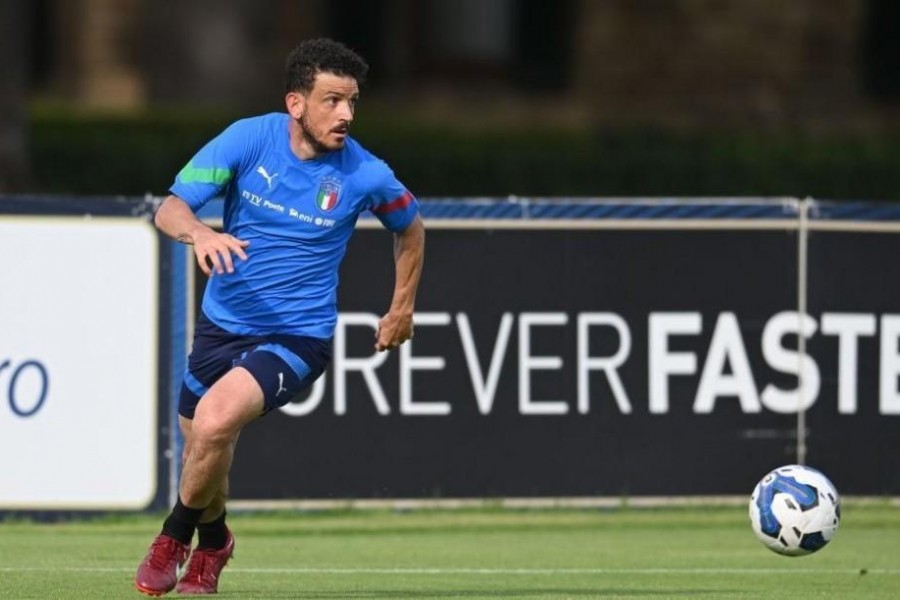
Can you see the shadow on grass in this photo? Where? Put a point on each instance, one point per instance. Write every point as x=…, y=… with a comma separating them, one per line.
x=377, y=594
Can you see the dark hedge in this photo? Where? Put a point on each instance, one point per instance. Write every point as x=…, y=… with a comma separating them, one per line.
x=131, y=155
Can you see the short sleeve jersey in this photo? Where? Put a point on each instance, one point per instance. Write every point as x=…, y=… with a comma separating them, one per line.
x=298, y=216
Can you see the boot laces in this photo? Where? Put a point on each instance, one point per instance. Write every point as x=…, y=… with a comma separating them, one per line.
x=163, y=551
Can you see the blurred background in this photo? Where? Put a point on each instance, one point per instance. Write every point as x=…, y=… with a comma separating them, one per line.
x=788, y=303
x=472, y=97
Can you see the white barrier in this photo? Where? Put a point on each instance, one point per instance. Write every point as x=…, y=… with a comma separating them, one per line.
x=79, y=314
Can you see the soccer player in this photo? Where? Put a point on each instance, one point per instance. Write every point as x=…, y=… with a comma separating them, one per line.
x=294, y=185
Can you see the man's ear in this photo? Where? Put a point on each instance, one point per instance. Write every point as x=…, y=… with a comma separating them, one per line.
x=295, y=103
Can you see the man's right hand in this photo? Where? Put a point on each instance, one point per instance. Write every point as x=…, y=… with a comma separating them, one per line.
x=214, y=250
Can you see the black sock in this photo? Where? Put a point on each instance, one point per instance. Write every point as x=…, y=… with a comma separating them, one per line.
x=212, y=535
x=181, y=522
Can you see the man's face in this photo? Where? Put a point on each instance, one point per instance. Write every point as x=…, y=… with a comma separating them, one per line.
x=327, y=111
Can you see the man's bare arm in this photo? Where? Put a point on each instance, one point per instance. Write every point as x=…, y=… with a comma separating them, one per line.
x=212, y=249
x=396, y=326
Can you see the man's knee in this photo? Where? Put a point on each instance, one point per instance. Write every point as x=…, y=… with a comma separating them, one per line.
x=214, y=431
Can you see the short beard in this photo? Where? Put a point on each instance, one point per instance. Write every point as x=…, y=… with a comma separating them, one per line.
x=317, y=146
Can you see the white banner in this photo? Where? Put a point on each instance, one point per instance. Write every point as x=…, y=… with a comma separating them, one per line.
x=78, y=363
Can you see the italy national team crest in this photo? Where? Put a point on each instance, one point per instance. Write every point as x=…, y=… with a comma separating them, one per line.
x=329, y=193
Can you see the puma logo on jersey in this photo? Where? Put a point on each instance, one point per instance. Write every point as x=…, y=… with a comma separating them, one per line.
x=281, y=387
x=265, y=174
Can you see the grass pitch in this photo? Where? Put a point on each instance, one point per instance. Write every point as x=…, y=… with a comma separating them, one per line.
x=705, y=553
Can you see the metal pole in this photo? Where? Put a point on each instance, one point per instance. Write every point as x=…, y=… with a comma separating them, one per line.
x=802, y=247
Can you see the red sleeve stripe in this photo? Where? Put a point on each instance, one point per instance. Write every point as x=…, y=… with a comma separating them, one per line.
x=397, y=204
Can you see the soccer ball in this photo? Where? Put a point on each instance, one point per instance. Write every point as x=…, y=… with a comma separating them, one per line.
x=795, y=510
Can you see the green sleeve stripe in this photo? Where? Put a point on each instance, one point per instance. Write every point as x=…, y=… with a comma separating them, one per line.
x=216, y=175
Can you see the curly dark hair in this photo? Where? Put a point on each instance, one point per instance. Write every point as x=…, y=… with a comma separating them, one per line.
x=321, y=55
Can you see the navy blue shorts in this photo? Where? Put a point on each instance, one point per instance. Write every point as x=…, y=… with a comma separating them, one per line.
x=283, y=365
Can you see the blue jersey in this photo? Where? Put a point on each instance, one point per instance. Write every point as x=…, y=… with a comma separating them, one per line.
x=298, y=216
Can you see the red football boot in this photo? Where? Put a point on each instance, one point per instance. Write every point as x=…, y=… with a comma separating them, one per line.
x=158, y=573
x=202, y=574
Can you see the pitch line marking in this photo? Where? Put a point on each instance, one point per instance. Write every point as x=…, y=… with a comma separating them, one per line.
x=478, y=571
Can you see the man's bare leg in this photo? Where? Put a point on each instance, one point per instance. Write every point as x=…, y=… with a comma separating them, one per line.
x=231, y=403
x=210, y=439
x=217, y=507
x=235, y=400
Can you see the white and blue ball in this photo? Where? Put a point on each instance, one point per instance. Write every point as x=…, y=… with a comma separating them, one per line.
x=795, y=510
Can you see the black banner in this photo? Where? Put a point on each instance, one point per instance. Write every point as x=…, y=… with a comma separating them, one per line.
x=598, y=362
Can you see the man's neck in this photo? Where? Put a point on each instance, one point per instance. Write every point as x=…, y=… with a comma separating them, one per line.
x=300, y=146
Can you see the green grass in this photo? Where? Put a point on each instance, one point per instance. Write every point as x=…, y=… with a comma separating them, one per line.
x=622, y=553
